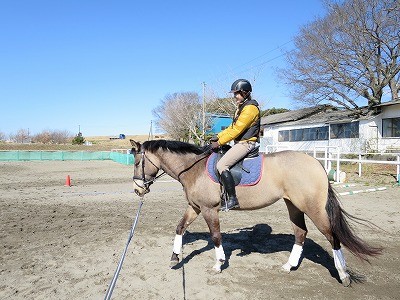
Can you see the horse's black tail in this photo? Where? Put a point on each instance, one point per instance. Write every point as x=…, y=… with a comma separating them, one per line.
x=342, y=230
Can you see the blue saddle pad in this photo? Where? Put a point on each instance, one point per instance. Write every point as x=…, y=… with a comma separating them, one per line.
x=251, y=174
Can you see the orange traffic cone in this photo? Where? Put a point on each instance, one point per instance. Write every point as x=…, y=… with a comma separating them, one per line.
x=68, y=181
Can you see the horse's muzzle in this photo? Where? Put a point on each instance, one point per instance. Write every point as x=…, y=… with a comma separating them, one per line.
x=139, y=188
x=141, y=192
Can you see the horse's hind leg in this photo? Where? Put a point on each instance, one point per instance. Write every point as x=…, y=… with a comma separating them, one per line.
x=300, y=233
x=338, y=257
x=322, y=222
x=189, y=216
x=340, y=264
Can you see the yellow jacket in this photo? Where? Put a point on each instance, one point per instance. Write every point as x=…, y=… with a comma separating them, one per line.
x=248, y=117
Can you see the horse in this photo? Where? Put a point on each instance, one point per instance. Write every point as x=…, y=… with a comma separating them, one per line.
x=297, y=178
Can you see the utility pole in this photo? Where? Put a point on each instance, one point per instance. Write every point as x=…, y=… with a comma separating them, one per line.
x=204, y=114
x=151, y=131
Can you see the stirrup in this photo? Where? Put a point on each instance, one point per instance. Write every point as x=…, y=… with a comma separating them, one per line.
x=230, y=204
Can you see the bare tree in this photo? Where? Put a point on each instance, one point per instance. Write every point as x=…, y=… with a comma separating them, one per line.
x=180, y=115
x=222, y=106
x=2, y=136
x=22, y=136
x=53, y=137
x=349, y=55
x=44, y=137
x=61, y=136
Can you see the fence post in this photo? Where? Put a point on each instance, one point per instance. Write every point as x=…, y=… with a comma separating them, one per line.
x=398, y=168
x=329, y=163
x=338, y=165
x=359, y=165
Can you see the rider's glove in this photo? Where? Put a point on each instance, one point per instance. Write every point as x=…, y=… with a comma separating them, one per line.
x=214, y=138
x=214, y=145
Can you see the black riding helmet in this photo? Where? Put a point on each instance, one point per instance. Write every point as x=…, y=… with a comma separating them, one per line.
x=241, y=85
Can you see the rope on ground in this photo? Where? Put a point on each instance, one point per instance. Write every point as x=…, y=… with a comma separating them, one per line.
x=114, y=280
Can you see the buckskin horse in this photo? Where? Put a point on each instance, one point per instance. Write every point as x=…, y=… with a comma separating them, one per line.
x=297, y=178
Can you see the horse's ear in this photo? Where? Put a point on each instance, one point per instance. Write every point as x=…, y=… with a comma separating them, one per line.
x=135, y=146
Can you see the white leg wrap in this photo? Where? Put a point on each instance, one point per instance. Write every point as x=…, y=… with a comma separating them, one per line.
x=340, y=263
x=294, y=258
x=219, y=253
x=295, y=255
x=220, y=256
x=177, y=244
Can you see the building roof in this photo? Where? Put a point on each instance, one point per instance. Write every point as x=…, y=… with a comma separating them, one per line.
x=218, y=115
x=313, y=115
x=292, y=115
x=393, y=102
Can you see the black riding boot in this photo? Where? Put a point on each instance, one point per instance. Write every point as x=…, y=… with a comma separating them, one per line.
x=229, y=185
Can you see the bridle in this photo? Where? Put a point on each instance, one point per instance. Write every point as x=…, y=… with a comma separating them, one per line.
x=149, y=180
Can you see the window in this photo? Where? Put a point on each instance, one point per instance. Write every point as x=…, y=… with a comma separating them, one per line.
x=303, y=134
x=308, y=134
x=345, y=130
x=297, y=135
x=283, y=136
x=391, y=127
x=322, y=133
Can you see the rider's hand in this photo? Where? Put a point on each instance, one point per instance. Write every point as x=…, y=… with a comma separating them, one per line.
x=214, y=145
x=214, y=138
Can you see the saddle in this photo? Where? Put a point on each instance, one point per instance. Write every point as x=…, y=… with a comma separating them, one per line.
x=246, y=172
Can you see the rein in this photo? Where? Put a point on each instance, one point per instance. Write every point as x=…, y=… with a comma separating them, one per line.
x=150, y=181
x=192, y=165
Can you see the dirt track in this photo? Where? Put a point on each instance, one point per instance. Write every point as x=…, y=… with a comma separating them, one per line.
x=59, y=242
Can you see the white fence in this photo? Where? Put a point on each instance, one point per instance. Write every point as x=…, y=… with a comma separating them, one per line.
x=333, y=153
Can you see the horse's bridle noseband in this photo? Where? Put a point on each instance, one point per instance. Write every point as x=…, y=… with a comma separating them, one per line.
x=150, y=181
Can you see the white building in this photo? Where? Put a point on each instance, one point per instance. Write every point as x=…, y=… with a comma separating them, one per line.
x=324, y=125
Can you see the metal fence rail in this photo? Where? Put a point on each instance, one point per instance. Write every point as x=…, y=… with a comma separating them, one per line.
x=339, y=159
x=336, y=155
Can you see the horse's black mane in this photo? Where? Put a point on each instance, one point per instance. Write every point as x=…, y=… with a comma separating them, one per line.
x=173, y=146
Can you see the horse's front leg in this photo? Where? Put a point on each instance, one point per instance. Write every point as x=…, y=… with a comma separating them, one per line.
x=211, y=217
x=189, y=216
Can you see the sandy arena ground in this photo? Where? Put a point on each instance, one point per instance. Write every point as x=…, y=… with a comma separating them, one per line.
x=59, y=242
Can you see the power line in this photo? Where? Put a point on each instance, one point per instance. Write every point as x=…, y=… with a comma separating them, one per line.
x=267, y=61
x=231, y=73
x=272, y=50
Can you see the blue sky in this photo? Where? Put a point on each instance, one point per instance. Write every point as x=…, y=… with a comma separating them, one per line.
x=104, y=65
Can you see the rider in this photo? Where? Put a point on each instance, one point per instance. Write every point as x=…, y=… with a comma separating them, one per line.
x=244, y=131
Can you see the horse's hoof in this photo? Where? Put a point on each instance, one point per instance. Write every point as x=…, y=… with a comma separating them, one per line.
x=286, y=267
x=215, y=270
x=173, y=263
x=174, y=260
x=346, y=281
